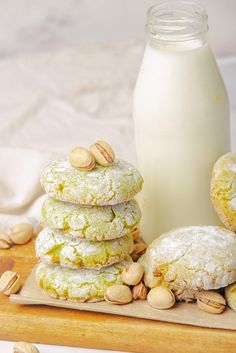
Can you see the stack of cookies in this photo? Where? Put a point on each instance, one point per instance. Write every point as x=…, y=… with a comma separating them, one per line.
x=89, y=217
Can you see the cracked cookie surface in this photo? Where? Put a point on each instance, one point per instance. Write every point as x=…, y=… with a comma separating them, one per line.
x=53, y=247
x=223, y=189
x=91, y=222
x=81, y=284
x=101, y=186
x=190, y=259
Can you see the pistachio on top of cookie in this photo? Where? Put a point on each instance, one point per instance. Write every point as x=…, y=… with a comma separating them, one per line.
x=103, y=153
x=85, y=160
x=82, y=159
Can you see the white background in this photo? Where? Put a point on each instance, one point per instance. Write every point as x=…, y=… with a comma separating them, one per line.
x=27, y=25
x=41, y=25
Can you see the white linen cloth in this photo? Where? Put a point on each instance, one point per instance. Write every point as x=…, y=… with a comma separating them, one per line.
x=50, y=102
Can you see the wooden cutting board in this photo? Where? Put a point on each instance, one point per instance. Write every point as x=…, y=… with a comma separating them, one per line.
x=42, y=324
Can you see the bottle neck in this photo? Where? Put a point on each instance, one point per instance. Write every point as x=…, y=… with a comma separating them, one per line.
x=177, y=25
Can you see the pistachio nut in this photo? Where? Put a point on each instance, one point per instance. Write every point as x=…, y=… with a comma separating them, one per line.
x=230, y=295
x=161, y=298
x=10, y=283
x=25, y=347
x=21, y=233
x=118, y=294
x=103, y=153
x=82, y=159
x=132, y=274
x=139, y=291
x=139, y=250
x=211, y=302
x=5, y=241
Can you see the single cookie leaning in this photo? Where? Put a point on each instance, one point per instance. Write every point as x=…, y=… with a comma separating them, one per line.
x=53, y=247
x=91, y=222
x=78, y=285
x=191, y=259
x=223, y=189
x=118, y=183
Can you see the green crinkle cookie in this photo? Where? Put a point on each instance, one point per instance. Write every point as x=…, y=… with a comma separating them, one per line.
x=91, y=222
x=81, y=284
x=53, y=247
x=223, y=189
x=101, y=186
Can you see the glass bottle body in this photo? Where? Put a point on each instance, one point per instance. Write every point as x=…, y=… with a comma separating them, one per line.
x=181, y=116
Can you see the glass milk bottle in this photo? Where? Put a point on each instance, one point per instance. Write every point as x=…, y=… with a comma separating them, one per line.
x=181, y=116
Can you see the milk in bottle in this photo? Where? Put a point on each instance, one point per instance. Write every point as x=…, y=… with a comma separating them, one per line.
x=181, y=116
